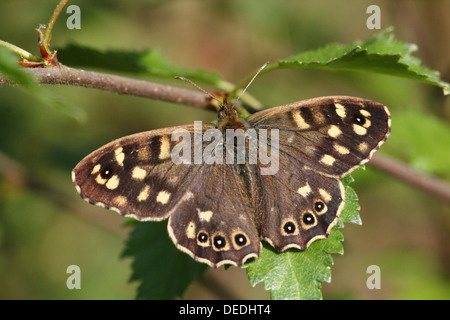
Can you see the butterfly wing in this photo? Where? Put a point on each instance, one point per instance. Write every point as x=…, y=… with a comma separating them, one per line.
x=320, y=140
x=216, y=223
x=298, y=205
x=135, y=175
x=332, y=135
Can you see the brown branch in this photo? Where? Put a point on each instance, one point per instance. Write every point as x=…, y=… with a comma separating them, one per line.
x=408, y=175
x=64, y=75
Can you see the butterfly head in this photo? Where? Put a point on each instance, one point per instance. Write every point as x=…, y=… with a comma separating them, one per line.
x=229, y=118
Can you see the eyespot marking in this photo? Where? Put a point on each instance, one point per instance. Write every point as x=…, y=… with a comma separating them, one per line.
x=289, y=227
x=203, y=239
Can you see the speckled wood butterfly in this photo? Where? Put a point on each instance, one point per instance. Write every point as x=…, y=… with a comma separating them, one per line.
x=219, y=211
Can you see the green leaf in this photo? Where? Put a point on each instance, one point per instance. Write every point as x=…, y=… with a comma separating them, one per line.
x=164, y=271
x=149, y=62
x=13, y=71
x=295, y=274
x=379, y=54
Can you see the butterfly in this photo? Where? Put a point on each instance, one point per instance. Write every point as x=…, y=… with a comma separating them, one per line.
x=222, y=197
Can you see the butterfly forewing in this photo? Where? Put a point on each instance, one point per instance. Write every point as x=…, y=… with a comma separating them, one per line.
x=333, y=135
x=135, y=175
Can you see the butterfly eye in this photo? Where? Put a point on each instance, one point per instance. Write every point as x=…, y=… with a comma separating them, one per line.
x=219, y=242
x=240, y=239
x=359, y=119
x=202, y=237
x=308, y=218
x=289, y=227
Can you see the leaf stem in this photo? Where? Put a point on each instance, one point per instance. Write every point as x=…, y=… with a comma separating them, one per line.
x=48, y=31
x=21, y=52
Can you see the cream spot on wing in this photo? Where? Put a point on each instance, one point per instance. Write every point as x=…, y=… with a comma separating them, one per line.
x=113, y=182
x=327, y=160
x=120, y=201
x=190, y=230
x=301, y=123
x=143, y=195
x=365, y=113
x=341, y=149
x=363, y=147
x=304, y=191
x=205, y=215
x=325, y=195
x=163, y=197
x=100, y=180
x=120, y=156
x=164, y=151
x=96, y=169
x=340, y=110
x=334, y=131
x=138, y=173
x=367, y=123
x=359, y=130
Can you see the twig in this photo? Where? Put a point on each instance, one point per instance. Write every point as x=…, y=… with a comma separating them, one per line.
x=408, y=175
x=48, y=31
x=64, y=75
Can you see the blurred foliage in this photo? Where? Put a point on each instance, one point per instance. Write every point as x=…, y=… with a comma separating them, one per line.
x=44, y=227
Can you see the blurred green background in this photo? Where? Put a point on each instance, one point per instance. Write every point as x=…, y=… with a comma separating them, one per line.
x=45, y=226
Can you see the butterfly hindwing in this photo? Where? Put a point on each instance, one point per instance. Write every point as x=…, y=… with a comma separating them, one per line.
x=216, y=222
x=300, y=205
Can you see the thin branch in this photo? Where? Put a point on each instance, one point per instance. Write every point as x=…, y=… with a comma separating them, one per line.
x=64, y=75
x=408, y=175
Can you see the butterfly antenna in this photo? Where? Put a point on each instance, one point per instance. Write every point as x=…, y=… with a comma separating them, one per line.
x=250, y=82
x=199, y=88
